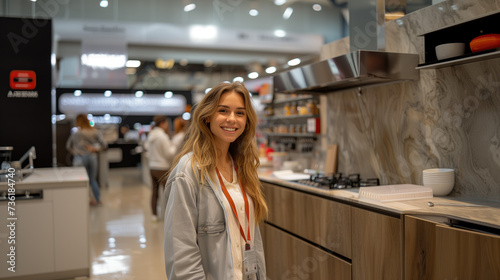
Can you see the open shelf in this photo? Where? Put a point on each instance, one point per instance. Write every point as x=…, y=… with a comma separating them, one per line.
x=463, y=32
x=463, y=59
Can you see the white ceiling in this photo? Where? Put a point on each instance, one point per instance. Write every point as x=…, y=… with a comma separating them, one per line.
x=160, y=28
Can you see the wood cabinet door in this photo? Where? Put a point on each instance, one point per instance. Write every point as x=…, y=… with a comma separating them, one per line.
x=463, y=254
x=420, y=242
x=320, y=220
x=290, y=258
x=376, y=246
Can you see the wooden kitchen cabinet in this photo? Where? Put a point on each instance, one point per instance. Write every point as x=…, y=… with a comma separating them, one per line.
x=437, y=251
x=288, y=257
x=376, y=246
x=322, y=221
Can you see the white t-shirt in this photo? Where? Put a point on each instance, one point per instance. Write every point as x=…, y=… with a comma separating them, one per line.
x=237, y=241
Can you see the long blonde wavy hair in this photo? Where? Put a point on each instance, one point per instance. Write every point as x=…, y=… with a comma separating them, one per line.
x=200, y=141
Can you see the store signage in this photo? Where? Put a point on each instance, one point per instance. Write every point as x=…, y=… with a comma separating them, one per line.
x=22, y=83
x=122, y=104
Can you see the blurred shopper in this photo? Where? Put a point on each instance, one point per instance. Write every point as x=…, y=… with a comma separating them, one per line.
x=180, y=126
x=214, y=197
x=84, y=145
x=160, y=153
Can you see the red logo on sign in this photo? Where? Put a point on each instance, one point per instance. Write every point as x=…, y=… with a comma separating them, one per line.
x=22, y=79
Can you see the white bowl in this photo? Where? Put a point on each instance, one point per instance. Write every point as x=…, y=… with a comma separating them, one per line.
x=440, y=180
x=441, y=189
x=445, y=51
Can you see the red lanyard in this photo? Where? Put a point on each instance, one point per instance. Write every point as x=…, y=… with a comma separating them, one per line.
x=231, y=202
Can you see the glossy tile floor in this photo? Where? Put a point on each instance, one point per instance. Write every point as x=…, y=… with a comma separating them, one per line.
x=125, y=243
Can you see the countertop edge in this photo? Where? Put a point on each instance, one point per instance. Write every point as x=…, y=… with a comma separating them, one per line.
x=486, y=216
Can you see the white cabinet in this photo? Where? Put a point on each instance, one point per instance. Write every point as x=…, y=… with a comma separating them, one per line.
x=33, y=235
x=71, y=229
x=51, y=233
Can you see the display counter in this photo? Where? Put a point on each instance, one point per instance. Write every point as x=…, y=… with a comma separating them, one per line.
x=48, y=218
x=313, y=233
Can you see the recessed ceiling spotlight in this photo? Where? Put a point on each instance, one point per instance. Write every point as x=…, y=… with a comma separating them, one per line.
x=254, y=12
x=317, y=7
x=104, y=3
x=287, y=13
x=139, y=93
x=189, y=7
x=77, y=92
x=253, y=75
x=279, y=33
x=186, y=116
x=107, y=93
x=183, y=62
x=279, y=2
x=238, y=79
x=168, y=94
x=294, y=62
x=208, y=90
x=270, y=70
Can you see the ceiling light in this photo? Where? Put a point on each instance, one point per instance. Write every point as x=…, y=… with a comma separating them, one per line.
x=77, y=92
x=202, y=33
x=294, y=62
x=208, y=90
x=317, y=7
x=33, y=0
x=253, y=75
x=238, y=79
x=133, y=63
x=288, y=13
x=183, y=62
x=107, y=93
x=253, y=12
x=186, y=116
x=270, y=70
x=279, y=33
x=139, y=93
x=168, y=94
x=189, y=6
x=104, y=3
x=279, y=2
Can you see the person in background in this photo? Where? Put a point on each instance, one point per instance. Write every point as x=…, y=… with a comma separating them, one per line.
x=180, y=125
x=160, y=154
x=84, y=145
x=214, y=197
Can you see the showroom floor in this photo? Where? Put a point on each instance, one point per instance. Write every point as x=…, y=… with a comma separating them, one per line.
x=125, y=243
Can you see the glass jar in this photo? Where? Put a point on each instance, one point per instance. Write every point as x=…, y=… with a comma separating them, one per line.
x=302, y=108
x=286, y=109
x=311, y=107
x=293, y=109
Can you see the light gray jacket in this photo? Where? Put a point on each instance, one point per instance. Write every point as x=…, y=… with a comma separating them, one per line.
x=197, y=242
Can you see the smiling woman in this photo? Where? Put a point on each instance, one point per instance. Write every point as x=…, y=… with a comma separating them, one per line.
x=214, y=197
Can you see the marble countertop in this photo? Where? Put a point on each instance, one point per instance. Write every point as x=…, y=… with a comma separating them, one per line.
x=488, y=215
x=52, y=177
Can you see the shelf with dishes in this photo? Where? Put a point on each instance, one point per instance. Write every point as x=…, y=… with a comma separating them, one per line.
x=470, y=41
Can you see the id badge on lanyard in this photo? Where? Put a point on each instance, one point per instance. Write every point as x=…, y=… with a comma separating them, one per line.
x=249, y=262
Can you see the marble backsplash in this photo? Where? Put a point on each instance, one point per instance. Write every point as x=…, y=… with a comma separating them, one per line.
x=449, y=118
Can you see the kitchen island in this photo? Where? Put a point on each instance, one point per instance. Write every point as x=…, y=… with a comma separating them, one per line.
x=337, y=235
x=48, y=236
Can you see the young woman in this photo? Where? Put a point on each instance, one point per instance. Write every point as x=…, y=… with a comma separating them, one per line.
x=214, y=198
x=84, y=145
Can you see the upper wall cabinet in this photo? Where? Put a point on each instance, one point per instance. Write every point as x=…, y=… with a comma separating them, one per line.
x=485, y=47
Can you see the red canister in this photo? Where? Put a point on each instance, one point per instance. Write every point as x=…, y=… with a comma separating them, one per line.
x=485, y=42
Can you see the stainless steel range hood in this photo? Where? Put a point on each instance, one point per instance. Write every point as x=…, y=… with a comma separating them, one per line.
x=367, y=64
x=357, y=69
